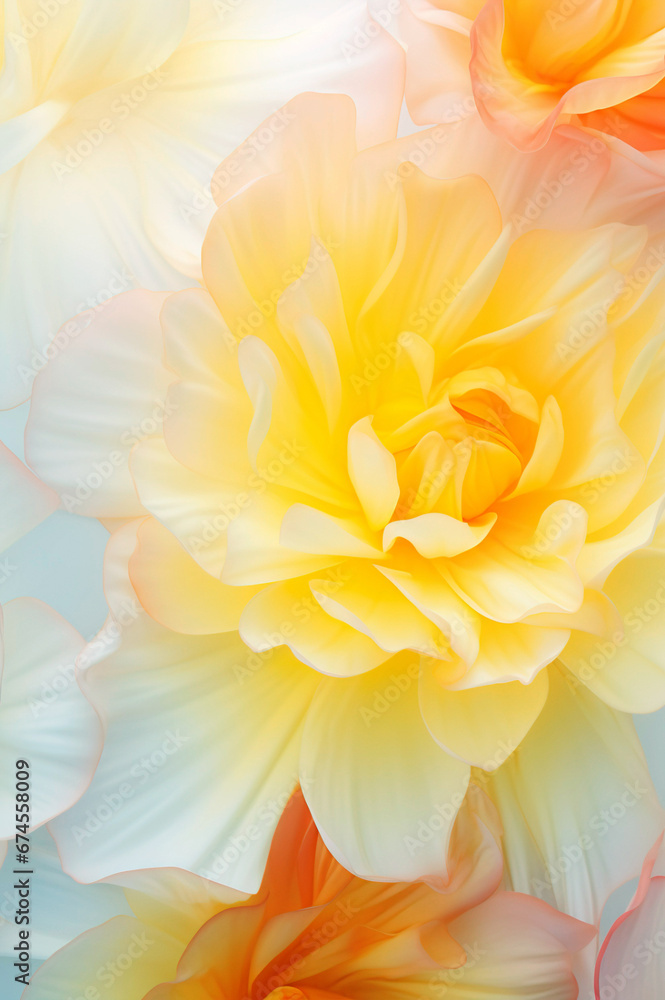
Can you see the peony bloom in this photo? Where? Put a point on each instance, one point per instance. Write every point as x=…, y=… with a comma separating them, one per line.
x=631, y=963
x=315, y=932
x=536, y=65
x=396, y=461
x=113, y=117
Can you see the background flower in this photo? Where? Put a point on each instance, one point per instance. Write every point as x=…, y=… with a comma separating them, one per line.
x=113, y=117
x=315, y=931
x=532, y=64
x=631, y=962
x=530, y=67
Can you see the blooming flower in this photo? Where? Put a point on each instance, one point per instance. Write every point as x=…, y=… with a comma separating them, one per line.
x=113, y=116
x=534, y=66
x=394, y=451
x=315, y=931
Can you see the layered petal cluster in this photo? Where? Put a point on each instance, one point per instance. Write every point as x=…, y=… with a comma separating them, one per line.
x=315, y=931
x=536, y=65
x=204, y=742
x=402, y=457
x=387, y=425
x=113, y=117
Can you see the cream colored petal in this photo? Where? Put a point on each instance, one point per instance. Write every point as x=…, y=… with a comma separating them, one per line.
x=576, y=801
x=176, y=591
x=383, y=794
x=307, y=529
x=627, y=669
x=255, y=553
x=518, y=946
x=481, y=725
x=196, y=509
x=294, y=613
x=373, y=473
x=369, y=603
x=509, y=577
x=145, y=956
x=439, y=602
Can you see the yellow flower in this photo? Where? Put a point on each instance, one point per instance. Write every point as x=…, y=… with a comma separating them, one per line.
x=405, y=456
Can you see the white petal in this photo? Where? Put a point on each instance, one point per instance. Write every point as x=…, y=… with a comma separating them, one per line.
x=45, y=718
x=24, y=500
x=200, y=754
x=577, y=803
x=95, y=401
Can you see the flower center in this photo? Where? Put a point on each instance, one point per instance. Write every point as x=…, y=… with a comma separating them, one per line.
x=466, y=450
